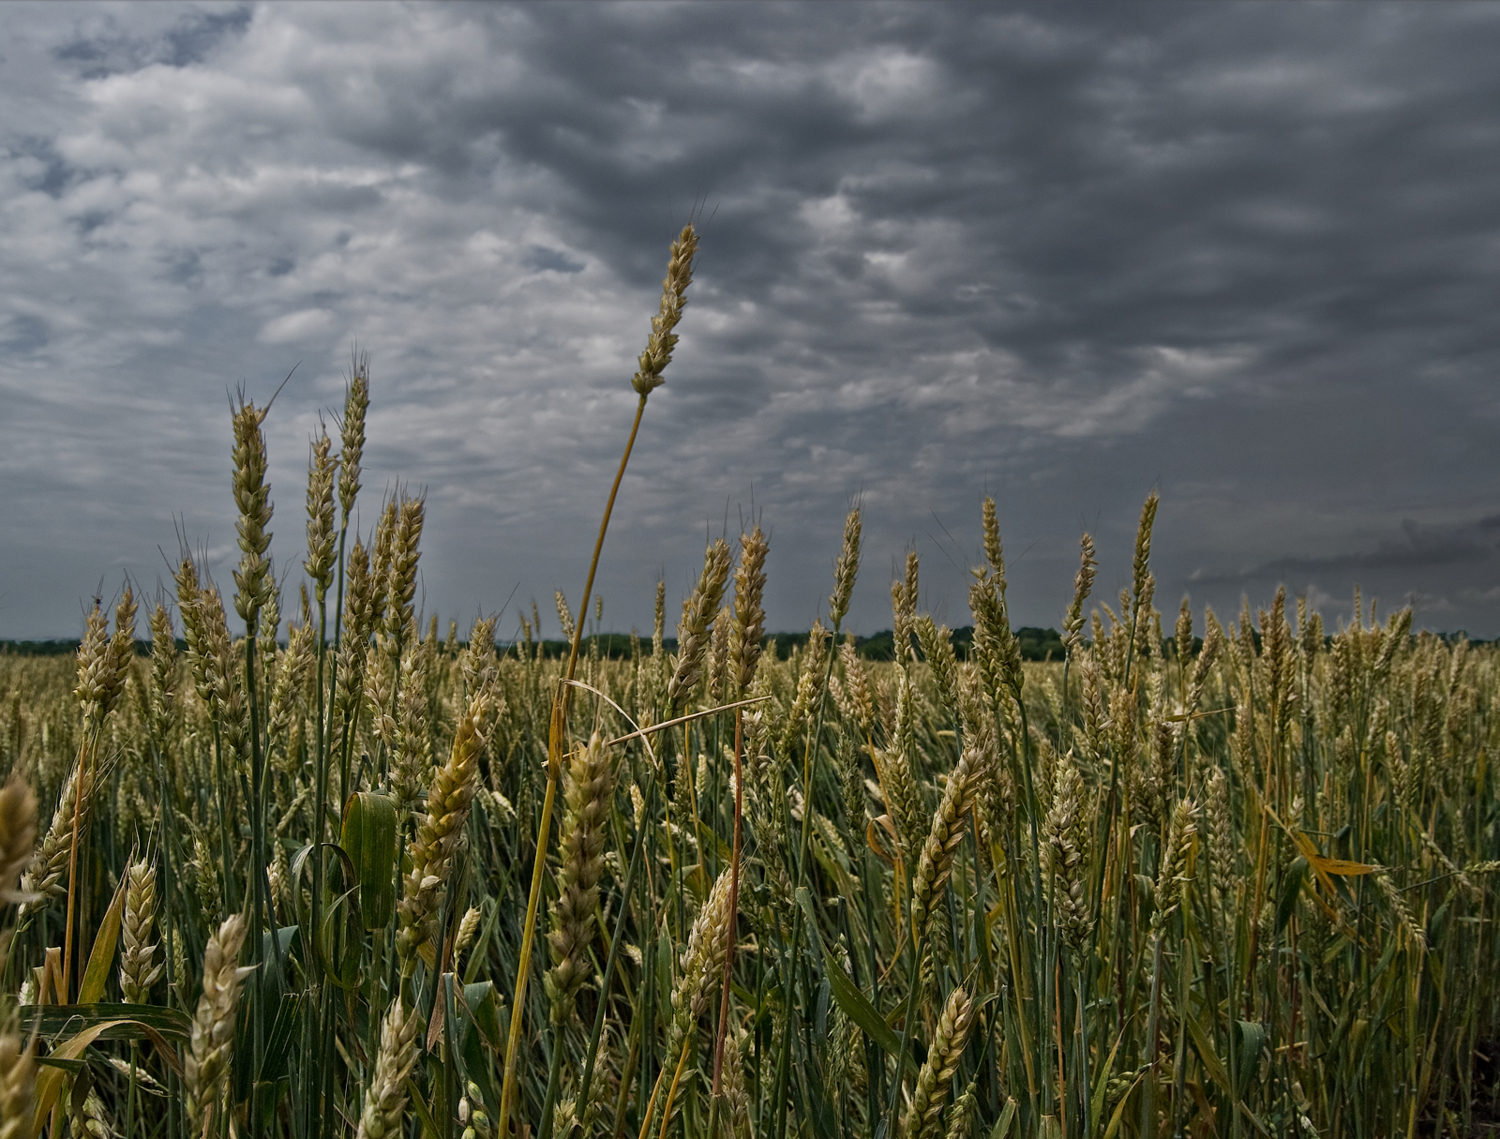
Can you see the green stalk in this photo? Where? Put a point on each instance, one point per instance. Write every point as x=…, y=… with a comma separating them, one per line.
x=734, y=907
x=317, y=1012
x=1148, y=1091
x=169, y=846
x=909, y=1016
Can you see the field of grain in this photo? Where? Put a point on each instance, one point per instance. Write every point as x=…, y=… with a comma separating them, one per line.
x=325, y=871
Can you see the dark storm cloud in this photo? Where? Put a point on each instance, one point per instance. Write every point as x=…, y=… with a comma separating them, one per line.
x=1418, y=548
x=1058, y=254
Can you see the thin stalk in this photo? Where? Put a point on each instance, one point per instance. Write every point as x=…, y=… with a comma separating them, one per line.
x=257, y=871
x=85, y=750
x=556, y=738
x=783, y=1064
x=317, y=1010
x=906, y=1026
x=1148, y=1090
x=1084, y=1087
x=169, y=846
x=729, y=939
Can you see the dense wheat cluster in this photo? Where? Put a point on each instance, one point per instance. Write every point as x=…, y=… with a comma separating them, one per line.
x=326, y=868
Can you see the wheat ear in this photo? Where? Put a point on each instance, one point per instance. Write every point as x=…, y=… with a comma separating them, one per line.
x=207, y=1061
x=936, y=860
x=385, y=1102
x=138, y=951
x=448, y=803
x=588, y=788
x=937, y=1072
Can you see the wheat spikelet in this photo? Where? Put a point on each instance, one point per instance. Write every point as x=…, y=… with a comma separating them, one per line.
x=380, y=692
x=736, y=1112
x=357, y=619
x=410, y=742
x=989, y=524
x=44, y=877
x=477, y=663
x=946, y=832
x=1208, y=655
x=474, y=1120
x=320, y=534
x=809, y=687
x=994, y=648
x=88, y=1118
x=718, y=654
x=1183, y=638
x=267, y=632
x=588, y=787
x=702, y=962
x=400, y=582
x=749, y=617
x=564, y=615
x=658, y=354
x=1221, y=836
x=904, y=609
x=207, y=1062
x=352, y=439
x=252, y=578
x=1065, y=853
x=448, y=802
x=291, y=679
x=361, y=588
x=697, y=613
x=279, y=877
x=463, y=941
x=385, y=1101
x=205, y=867
x=226, y=698
x=104, y=660
x=936, y=1075
x=1413, y=934
x=898, y=780
x=961, y=1118
x=845, y=570
x=1083, y=584
x=937, y=647
x=857, y=685
x=138, y=972
x=1141, y=562
x=1174, y=861
x=163, y=684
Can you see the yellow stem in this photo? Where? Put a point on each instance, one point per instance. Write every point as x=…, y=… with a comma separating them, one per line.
x=556, y=741
x=84, y=751
x=666, y=1112
x=651, y=1103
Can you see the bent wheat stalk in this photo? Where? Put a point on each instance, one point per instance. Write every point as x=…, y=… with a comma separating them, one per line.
x=648, y=377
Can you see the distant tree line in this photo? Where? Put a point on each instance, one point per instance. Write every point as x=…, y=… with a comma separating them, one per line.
x=1035, y=643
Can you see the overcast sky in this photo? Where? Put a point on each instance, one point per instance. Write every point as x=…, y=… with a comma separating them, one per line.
x=1059, y=254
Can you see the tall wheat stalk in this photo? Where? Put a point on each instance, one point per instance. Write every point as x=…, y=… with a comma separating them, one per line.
x=653, y=362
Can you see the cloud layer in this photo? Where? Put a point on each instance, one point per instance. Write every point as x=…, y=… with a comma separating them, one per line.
x=1057, y=254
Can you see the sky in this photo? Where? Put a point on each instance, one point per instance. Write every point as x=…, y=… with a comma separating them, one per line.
x=1062, y=255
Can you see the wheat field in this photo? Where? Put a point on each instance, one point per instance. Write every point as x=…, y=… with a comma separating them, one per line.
x=318, y=869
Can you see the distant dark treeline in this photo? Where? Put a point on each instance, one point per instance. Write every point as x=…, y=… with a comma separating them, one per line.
x=64, y=648
x=1035, y=643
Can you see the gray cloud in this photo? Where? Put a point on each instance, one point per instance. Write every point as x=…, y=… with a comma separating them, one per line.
x=1058, y=254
